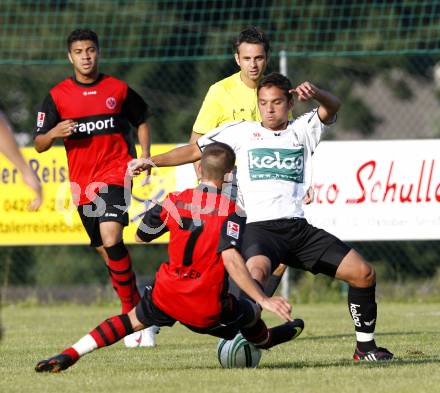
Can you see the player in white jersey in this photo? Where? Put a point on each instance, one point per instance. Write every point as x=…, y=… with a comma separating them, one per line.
x=270, y=164
x=273, y=173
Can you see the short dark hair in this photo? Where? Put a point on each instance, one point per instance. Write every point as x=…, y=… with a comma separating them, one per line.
x=252, y=35
x=278, y=80
x=82, y=35
x=217, y=160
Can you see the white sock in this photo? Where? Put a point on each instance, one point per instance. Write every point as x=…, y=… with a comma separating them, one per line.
x=364, y=337
x=85, y=345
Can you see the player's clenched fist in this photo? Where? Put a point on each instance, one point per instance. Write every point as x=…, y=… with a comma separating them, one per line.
x=64, y=129
x=138, y=165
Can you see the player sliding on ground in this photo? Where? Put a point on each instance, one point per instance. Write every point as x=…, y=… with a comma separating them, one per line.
x=273, y=174
x=205, y=236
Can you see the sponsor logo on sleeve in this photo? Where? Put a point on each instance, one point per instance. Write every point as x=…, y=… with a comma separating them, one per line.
x=40, y=119
x=233, y=229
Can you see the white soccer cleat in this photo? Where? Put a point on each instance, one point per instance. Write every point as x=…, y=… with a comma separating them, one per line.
x=133, y=340
x=142, y=338
x=148, y=338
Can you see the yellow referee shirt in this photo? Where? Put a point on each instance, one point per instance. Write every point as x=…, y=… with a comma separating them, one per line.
x=227, y=101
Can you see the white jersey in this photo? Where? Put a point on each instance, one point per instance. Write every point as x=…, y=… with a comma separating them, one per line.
x=274, y=168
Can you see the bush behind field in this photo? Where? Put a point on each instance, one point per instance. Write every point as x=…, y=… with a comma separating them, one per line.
x=72, y=265
x=305, y=288
x=321, y=289
x=69, y=265
x=76, y=273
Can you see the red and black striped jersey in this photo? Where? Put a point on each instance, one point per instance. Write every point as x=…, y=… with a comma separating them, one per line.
x=202, y=223
x=102, y=144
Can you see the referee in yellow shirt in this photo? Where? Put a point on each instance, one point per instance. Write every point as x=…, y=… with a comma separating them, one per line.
x=235, y=97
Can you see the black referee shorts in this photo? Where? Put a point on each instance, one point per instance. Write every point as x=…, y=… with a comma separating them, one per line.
x=110, y=206
x=295, y=243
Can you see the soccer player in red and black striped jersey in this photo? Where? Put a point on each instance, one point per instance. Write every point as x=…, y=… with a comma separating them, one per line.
x=93, y=114
x=205, y=235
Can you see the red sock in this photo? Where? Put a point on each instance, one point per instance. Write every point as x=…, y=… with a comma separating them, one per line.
x=106, y=333
x=71, y=352
x=122, y=276
x=257, y=334
x=112, y=330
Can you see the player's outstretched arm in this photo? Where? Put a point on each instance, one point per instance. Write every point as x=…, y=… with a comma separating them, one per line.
x=329, y=104
x=236, y=267
x=178, y=156
x=193, y=139
x=63, y=129
x=10, y=149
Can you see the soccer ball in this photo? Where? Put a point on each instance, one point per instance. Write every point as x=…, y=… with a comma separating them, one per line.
x=238, y=353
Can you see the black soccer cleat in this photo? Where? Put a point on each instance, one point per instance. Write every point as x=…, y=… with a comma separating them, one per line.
x=283, y=333
x=375, y=355
x=54, y=364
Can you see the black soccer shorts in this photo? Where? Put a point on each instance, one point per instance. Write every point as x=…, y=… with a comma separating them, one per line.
x=295, y=243
x=110, y=206
x=148, y=314
x=235, y=315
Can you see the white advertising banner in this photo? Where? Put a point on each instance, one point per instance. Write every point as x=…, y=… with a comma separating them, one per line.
x=377, y=190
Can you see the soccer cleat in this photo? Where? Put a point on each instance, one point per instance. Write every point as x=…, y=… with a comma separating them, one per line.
x=142, y=338
x=149, y=336
x=283, y=333
x=54, y=364
x=375, y=355
x=133, y=340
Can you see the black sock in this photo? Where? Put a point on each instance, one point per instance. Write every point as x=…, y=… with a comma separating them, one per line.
x=233, y=288
x=366, y=346
x=272, y=285
x=257, y=334
x=363, y=310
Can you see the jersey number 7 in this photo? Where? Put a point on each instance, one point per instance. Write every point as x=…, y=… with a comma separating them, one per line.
x=196, y=229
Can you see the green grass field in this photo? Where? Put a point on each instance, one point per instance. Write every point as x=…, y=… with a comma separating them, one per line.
x=319, y=361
